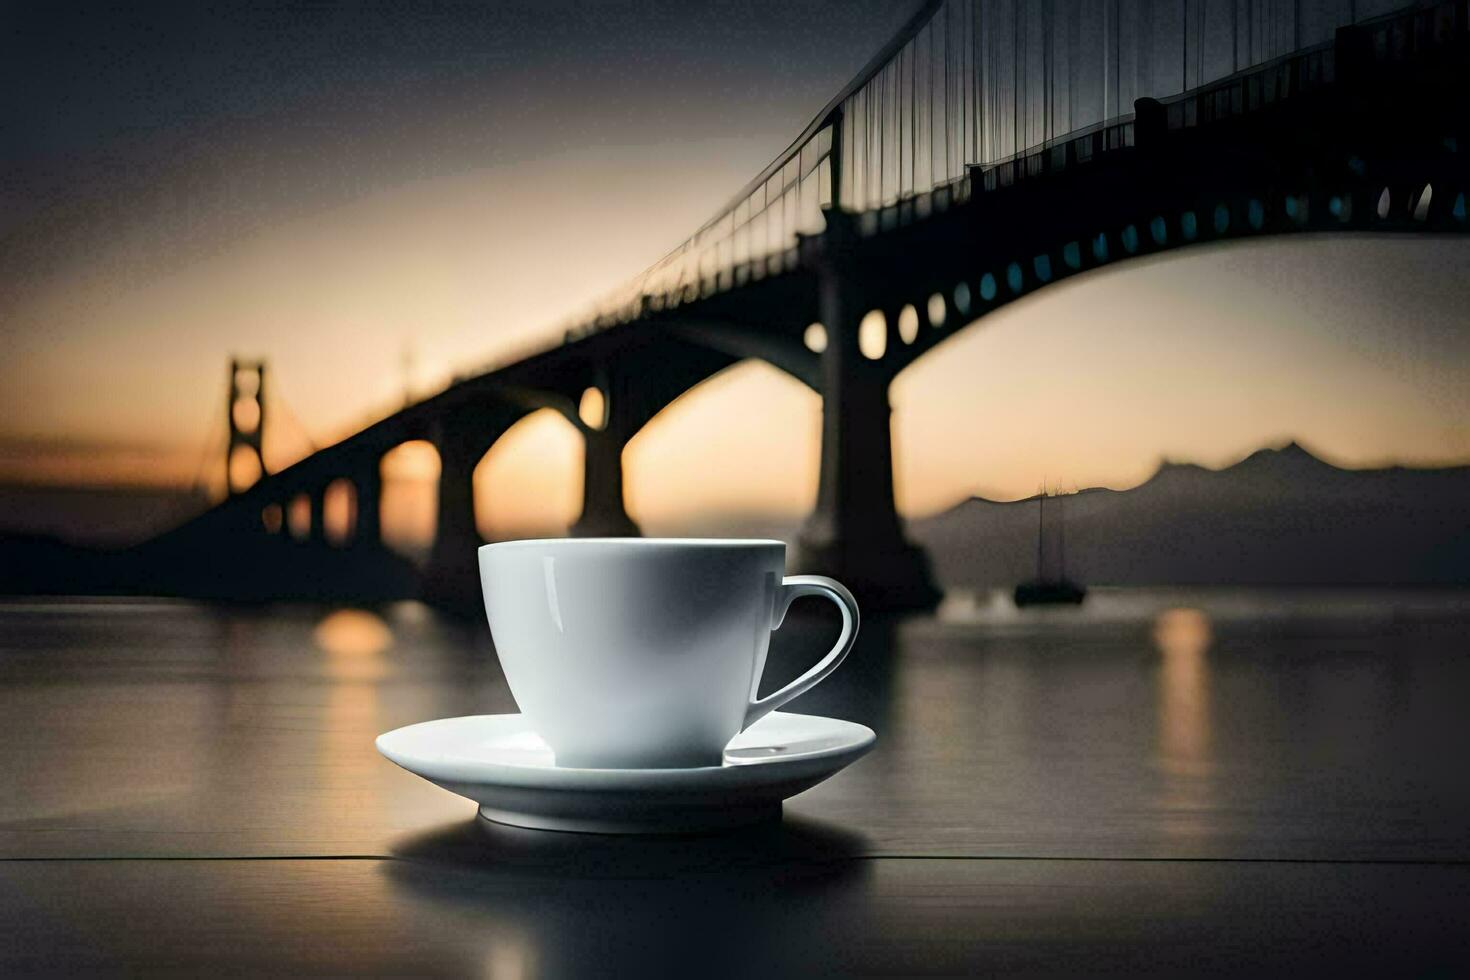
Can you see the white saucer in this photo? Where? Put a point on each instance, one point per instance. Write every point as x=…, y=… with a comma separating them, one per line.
x=497, y=761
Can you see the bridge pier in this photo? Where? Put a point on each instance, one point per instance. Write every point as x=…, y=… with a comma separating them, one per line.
x=316, y=533
x=451, y=577
x=604, y=513
x=855, y=534
x=368, y=532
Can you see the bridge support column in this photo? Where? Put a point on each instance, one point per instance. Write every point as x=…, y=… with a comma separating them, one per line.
x=317, y=533
x=1150, y=123
x=368, y=532
x=452, y=575
x=604, y=514
x=855, y=534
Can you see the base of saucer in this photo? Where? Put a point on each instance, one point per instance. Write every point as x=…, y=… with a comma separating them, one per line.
x=683, y=820
x=512, y=776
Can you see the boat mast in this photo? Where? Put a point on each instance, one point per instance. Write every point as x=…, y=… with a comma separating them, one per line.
x=1040, y=530
x=1062, y=540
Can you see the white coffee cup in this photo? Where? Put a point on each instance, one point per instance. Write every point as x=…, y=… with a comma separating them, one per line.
x=645, y=653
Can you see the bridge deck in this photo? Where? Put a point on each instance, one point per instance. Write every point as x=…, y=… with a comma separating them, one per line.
x=1277, y=788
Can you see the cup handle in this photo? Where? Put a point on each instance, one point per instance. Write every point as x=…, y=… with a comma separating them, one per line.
x=792, y=588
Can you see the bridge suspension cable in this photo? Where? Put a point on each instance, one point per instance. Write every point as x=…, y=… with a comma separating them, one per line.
x=212, y=454
x=969, y=85
x=281, y=408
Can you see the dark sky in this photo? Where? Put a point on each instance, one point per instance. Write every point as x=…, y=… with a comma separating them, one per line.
x=226, y=114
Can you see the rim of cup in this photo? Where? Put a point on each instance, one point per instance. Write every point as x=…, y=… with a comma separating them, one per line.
x=640, y=542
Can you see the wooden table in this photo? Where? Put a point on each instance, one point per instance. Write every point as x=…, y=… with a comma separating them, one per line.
x=1259, y=787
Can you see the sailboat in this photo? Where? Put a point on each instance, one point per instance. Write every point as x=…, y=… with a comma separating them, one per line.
x=1050, y=590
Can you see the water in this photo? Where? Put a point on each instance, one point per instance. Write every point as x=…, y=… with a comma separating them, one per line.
x=1147, y=723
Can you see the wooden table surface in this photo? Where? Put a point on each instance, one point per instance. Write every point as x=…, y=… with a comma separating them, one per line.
x=1164, y=782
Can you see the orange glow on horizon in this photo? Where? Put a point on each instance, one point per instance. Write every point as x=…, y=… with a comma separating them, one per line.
x=1079, y=385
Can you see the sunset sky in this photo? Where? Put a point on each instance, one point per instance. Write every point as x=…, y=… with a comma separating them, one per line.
x=375, y=199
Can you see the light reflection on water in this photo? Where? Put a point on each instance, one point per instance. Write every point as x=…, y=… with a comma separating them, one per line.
x=1183, y=640
x=1182, y=637
x=354, y=641
x=1357, y=608
x=510, y=954
x=1179, y=722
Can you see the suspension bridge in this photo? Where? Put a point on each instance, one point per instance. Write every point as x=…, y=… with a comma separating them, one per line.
x=990, y=149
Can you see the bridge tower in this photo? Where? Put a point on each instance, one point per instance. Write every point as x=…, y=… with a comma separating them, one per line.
x=855, y=533
x=246, y=413
x=605, y=434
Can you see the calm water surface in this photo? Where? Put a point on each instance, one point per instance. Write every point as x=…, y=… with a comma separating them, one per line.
x=1148, y=723
x=1314, y=740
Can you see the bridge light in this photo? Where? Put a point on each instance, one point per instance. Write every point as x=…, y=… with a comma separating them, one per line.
x=873, y=335
x=592, y=409
x=908, y=323
x=1013, y=277
x=815, y=338
x=1384, y=202
x=937, y=312
x=1042, y=267
x=1130, y=239
x=1340, y=207
x=1421, y=209
x=962, y=298
x=271, y=518
x=1072, y=255
x=1189, y=226
x=1222, y=219
x=1100, y=247
x=1459, y=209
x=987, y=287
x=1158, y=230
x=1256, y=214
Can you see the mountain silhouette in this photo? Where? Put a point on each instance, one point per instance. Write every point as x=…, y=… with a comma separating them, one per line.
x=1278, y=517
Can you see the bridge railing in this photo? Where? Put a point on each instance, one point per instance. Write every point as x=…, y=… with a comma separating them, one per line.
x=1254, y=90
x=1392, y=39
x=752, y=237
x=755, y=233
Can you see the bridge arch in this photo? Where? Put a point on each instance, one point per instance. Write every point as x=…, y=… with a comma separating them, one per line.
x=408, y=502
x=1083, y=389
x=680, y=467
x=1260, y=212
x=298, y=516
x=529, y=482
x=339, y=512
x=1283, y=138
